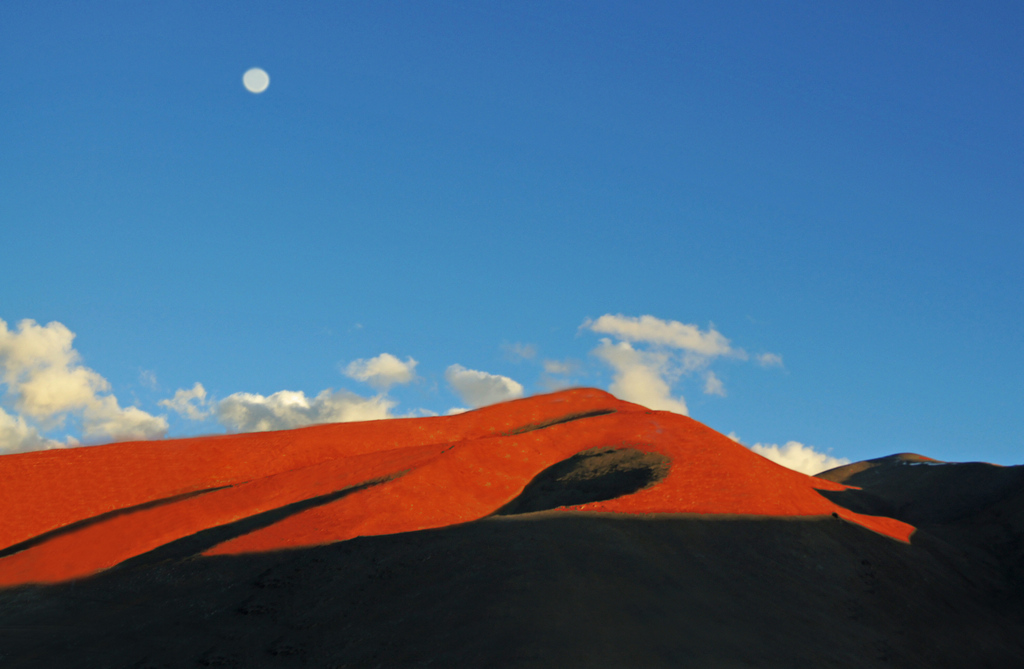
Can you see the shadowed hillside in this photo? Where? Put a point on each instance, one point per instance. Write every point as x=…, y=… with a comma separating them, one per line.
x=976, y=508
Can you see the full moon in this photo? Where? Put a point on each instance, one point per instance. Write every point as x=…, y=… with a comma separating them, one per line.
x=256, y=80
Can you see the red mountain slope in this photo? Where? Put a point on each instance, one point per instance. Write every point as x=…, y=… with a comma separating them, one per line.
x=70, y=513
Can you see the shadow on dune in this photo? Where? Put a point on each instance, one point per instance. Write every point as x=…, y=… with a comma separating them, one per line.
x=594, y=475
x=207, y=539
x=537, y=590
x=103, y=517
x=558, y=421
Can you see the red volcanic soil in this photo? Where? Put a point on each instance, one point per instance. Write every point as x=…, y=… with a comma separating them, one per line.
x=70, y=513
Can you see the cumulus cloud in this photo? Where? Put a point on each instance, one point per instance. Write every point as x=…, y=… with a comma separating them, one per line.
x=670, y=349
x=639, y=376
x=713, y=385
x=287, y=409
x=799, y=457
x=383, y=371
x=769, y=360
x=43, y=375
x=17, y=436
x=479, y=389
x=651, y=354
x=191, y=404
x=670, y=334
x=104, y=418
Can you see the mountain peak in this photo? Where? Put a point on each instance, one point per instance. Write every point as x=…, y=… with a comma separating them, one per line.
x=77, y=511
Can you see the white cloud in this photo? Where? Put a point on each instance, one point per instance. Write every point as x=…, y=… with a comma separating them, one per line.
x=799, y=457
x=454, y=411
x=650, y=355
x=479, y=389
x=671, y=334
x=17, y=436
x=104, y=418
x=640, y=376
x=735, y=437
x=664, y=351
x=47, y=391
x=45, y=379
x=189, y=403
x=287, y=409
x=713, y=385
x=383, y=371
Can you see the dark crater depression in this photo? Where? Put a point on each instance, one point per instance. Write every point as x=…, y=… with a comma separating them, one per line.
x=593, y=475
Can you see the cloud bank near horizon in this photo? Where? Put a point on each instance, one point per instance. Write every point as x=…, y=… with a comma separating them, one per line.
x=796, y=456
x=799, y=457
x=44, y=379
x=46, y=385
x=288, y=409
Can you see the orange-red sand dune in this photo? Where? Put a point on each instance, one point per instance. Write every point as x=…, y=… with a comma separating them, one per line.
x=70, y=513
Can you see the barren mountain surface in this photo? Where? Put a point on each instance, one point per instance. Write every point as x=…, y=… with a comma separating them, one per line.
x=570, y=529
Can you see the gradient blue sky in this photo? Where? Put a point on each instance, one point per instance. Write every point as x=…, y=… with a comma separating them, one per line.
x=839, y=184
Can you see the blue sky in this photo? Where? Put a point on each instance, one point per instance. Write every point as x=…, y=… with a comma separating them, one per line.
x=837, y=185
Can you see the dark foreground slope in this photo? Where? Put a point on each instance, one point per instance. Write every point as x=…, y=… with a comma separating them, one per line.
x=538, y=590
x=975, y=509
